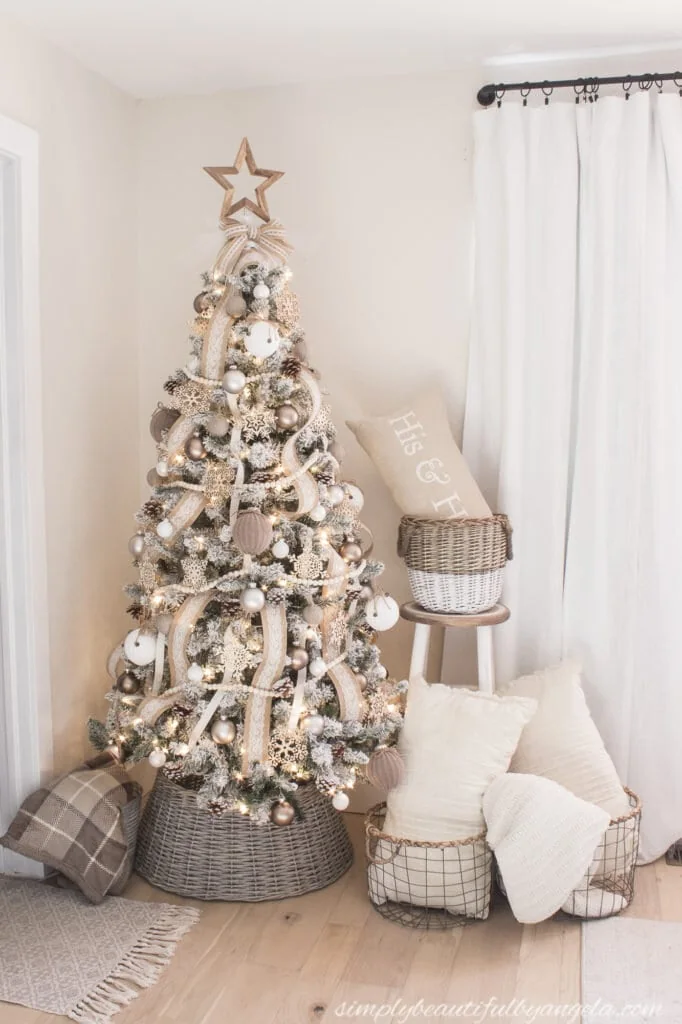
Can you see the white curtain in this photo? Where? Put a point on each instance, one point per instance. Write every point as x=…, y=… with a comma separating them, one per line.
x=574, y=410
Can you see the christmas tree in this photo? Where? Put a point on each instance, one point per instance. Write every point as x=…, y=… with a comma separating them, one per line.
x=253, y=667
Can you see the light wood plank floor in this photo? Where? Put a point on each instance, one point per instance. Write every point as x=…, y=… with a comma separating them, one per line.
x=298, y=961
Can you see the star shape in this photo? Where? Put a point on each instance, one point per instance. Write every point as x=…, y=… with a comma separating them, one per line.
x=221, y=175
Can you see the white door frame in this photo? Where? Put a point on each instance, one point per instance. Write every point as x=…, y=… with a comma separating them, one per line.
x=25, y=705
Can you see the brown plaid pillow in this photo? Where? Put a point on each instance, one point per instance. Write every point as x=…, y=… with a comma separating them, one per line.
x=74, y=824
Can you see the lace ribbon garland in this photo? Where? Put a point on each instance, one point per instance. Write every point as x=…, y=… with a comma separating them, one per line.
x=216, y=339
x=184, y=621
x=351, y=701
x=257, y=720
x=178, y=436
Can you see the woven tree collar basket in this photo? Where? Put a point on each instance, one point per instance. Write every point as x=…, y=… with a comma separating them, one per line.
x=184, y=849
x=455, y=565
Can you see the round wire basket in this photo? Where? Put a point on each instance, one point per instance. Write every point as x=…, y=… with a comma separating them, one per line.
x=455, y=565
x=428, y=885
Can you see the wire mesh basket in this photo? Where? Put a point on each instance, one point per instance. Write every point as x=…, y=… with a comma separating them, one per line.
x=425, y=884
x=455, y=565
x=609, y=883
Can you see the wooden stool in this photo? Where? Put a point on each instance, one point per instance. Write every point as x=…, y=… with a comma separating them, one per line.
x=484, y=637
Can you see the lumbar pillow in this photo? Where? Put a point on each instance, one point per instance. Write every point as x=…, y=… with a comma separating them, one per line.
x=454, y=743
x=544, y=839
x=562, y=743
x=415, y=454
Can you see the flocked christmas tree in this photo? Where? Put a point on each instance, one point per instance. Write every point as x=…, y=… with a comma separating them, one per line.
x=253, y=668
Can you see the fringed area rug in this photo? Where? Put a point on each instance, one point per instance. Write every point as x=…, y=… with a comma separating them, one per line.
x=61, y=954
x=631, y=970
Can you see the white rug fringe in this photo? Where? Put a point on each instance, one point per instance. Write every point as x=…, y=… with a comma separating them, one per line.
x=140, y=968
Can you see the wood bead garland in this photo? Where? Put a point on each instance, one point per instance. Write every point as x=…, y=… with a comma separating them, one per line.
x=385, y=768
x=252, y=532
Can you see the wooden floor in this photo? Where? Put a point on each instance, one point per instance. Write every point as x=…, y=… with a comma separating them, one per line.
x=298, y=961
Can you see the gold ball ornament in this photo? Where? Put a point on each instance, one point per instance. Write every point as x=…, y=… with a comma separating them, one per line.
x=252, y=532
x=286, y=416
x=385, y=768
x=195, y=448
x=282, y=813
x=218, y=425
x=223, y=731
x=202, y=301
x=313, y=614
x=351, y=551
x=127, y=683
x=136, y=545
x=299, y=658
x=162, y=420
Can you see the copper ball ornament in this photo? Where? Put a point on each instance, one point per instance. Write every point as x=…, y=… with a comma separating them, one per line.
x=195, y=448
x=351, y=551
x=385, y=768
x=252, y=532
x=136, y=545
x=218, y=425
x=223, y=731
x=286, y=416
x=235, y=303
x=313, y=614
x=127, y=683
x=162, y=420
x=282, y=813
x=202, y=302
x=299, y=658
x=234, y=381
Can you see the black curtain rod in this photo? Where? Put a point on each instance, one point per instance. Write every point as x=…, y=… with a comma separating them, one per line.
x=587, y=88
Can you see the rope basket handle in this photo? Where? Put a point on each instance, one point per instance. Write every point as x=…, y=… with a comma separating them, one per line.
x=373, y=833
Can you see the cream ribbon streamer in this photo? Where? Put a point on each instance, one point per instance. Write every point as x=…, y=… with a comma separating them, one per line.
x=158, y=662
x=152, y=707
x=178, y=436
x=267, y=240
x=216, y=340
x=185, y=512
x=257, y=721
x=351, y=702
x=184, y=622
x=304, y=484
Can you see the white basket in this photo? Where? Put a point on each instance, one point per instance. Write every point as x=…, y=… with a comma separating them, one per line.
x=456, y=593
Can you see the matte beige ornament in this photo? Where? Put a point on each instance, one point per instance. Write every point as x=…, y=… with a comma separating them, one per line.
x=235, y=304
x=282, y=813
x=223, y=731
x=385, y=768
x=299, y=658
x=153, y=478
x=286, y=416
x=195, y=448
x=127, y=683
x=313, y=614
x=252, y=532
x=162, y=420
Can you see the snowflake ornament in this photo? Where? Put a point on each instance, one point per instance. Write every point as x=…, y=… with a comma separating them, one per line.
x=308, y=565
x=192, y=398
x=147, y=574
x=337, y=632
x=259, y=424
x=217, y=483
x=237, y=657
x=287, y=749
x=194, y=572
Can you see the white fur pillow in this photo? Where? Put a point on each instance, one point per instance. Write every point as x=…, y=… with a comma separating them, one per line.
x=562, y=743
x=454, y=743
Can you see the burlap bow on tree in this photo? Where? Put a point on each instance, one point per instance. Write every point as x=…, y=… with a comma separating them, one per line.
x=267, y=240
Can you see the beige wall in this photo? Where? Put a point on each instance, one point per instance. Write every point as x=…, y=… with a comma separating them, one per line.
x=90, y=401
x=376, y=199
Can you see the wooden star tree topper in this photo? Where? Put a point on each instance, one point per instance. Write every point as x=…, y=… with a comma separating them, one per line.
x=222, y=176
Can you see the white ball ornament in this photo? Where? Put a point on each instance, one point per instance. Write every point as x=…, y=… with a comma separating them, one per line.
x=195, y=672
x=261, y=291
x=335, y=494
x=355, y=497
x=313, y=724
x=164, y=529
x=262, y=339
x=318, y=513
x=234, y=381
x=382, y=612
x=252, y=599
x=317, y=668
x=140, y=648
x=162, y=467
x=340, y=801
x=157, y=759
x=182, y=749
x=280, y=548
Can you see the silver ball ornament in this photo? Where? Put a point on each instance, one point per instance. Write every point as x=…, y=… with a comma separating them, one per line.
x=282, y=813
x=299, y=658
x=195, y=448
x=261, y=291
x=127, y=683
x=313, y=724
x=223, y=731
x=136, y=545
x=280, y=548
x=218, y=425
x=317, y=667
x=234, y=381
x=157, y=759
x=286, y=416
x=351, y=551
x=340, y=801
x=252, y=599
x=313, y=614
x=164, y=529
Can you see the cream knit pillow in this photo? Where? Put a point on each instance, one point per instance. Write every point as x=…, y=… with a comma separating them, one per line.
x=562, y=742
x=454, y=743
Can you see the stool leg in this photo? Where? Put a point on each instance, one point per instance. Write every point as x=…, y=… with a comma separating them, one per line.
x=486, y=663
x=420, y=650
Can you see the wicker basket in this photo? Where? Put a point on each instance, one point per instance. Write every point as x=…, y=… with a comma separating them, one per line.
x=433, y=885
x=186, y=850
x=609, y=884
x=455, y=565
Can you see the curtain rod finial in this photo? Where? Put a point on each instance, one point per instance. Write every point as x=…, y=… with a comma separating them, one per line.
x=486, y=95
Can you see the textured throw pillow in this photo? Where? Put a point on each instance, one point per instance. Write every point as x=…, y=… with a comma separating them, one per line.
x=454, y=743
x=562, y=743
x=544, y=839
x=414, y=453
